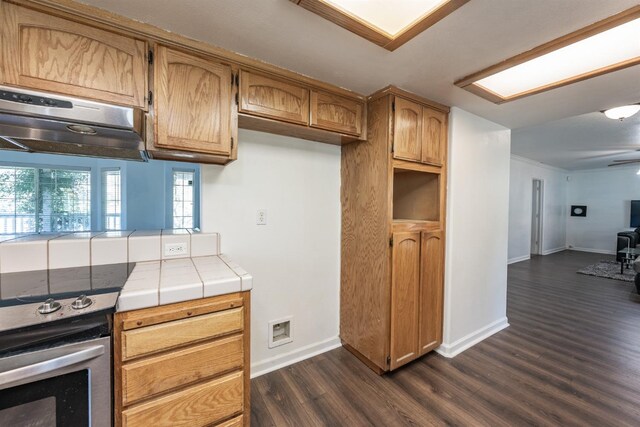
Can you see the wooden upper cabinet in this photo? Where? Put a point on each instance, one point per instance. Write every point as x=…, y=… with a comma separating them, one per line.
x=48, y=53
x=431, y=291
x=434, y=136
x=272, y=98
x=405, y=289
x=193, y=102
x=407, y=133
x=420, y=133
x=336, y=113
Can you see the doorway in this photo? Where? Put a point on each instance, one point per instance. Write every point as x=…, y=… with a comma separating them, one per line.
x=536, y=216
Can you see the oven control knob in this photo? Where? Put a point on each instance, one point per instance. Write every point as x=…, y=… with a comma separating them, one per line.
x=81, y=302
x=49, y=306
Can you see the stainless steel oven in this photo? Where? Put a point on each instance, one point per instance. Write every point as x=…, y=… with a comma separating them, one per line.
x=55, y=346
x=62, y=386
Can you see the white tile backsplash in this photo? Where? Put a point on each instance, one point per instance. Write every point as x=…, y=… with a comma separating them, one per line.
x=23, y=255
x=204, y=244
x=145, y=247
x=69, y=252
x=109, y=250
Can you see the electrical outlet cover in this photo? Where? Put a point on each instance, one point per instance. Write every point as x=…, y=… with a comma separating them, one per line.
x=261, y=217
x=175, y=249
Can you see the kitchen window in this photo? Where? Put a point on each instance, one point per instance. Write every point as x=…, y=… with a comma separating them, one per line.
x=44, y=200
x=183, y=198
x=111, y=199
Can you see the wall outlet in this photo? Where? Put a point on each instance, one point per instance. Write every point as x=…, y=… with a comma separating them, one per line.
x=280, y=331
x=261, y=217
x=175, y=249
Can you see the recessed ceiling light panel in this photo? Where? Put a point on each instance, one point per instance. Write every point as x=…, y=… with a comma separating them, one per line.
x=597, y=52
x=606, y=46
x=389, y=16
x=387, y=23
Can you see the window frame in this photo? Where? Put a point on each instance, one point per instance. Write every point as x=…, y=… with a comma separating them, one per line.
x=47, y=166
x=169, y=221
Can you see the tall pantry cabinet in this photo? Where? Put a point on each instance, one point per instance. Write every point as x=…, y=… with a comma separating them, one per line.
x=393, y=225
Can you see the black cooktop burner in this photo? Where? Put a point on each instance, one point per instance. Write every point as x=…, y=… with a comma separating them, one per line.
x=36, y=286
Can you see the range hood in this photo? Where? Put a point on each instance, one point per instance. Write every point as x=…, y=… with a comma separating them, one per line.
x=40, y=122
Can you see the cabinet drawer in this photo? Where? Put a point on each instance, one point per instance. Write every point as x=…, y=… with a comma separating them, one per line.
x=236, y=422
x=58, y=55
x=272, y=98
x=200, y=405
x=335, y=113
x=151, y=376
x=164, y=336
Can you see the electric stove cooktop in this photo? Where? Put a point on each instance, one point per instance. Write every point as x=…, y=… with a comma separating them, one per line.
x=43, y=296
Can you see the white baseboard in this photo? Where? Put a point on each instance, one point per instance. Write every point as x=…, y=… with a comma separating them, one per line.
x=595, y=251
x=280, y=361
x=554, y=250
x=457, y=347
x=518, y=259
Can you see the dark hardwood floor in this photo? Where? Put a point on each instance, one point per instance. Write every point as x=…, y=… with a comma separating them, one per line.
x=571, y=357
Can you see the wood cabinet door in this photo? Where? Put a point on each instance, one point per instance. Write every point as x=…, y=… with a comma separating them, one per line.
x=193, y=102
x=276, y=99
x=335, y=113
x=52, y=54
x=431, y=290
x=407, y=130
x=434, y=136
x=405, y=288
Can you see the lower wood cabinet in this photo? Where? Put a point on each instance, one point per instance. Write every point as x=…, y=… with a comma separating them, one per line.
x=416, y=295
x=184, y=364
x=431, y=290
x=405, y=291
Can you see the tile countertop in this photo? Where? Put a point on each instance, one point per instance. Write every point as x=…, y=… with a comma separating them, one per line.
x=154, y=283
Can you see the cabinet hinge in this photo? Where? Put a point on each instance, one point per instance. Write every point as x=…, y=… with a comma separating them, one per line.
x=232, y=143
x=393, y=106
x=237, y=99
x=150, y=98
x=150, y=57
x=393, y=147
x=391, y=241
x=238, y=79
x=388, y=360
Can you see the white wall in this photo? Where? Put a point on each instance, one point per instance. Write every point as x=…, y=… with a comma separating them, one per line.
x=295, y=258
x=477, y=231
x=554, y=213
x=607, y=194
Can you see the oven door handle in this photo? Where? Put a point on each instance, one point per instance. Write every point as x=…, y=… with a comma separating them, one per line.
x=30, y=371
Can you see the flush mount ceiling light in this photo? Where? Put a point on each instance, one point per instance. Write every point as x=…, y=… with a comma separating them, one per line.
x=386, y=23
x=623, y=112
x=606, y=46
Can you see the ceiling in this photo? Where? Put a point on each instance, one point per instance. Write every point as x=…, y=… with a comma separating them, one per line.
x=588, y=141
x=479, y=34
